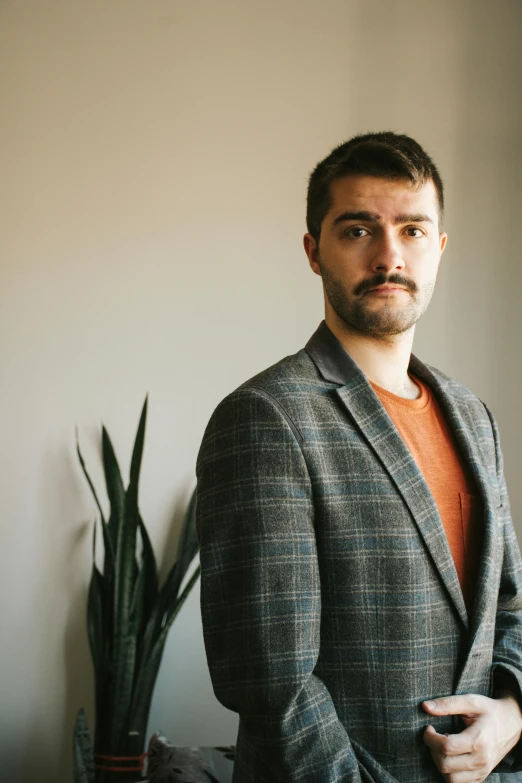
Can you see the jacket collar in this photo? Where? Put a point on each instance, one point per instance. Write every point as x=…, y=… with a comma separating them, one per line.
x=335, y=363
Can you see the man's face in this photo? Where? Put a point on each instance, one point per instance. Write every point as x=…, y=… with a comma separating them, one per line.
x=378, y=231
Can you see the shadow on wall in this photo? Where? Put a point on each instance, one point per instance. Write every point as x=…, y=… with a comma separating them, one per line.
x=67, y=683
x=79, y=679
x=167, y=556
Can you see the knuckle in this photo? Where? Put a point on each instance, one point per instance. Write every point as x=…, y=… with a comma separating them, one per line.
x=480, y=762
x=450, y=747
x=482, y=773
x=478, y=746
x=475, y=763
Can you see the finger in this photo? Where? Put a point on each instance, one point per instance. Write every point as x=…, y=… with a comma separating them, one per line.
x=466, y=777
x=449, y=744
x=466, y=704
x=450, y=765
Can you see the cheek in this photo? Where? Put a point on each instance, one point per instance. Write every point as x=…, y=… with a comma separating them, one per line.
x=424, y=264
x=432, y=267
x=424, y=280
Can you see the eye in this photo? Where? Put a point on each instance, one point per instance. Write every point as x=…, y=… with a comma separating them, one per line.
x=356, y=232
x=411, y=229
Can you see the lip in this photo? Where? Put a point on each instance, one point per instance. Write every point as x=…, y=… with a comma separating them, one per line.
x=384, y=289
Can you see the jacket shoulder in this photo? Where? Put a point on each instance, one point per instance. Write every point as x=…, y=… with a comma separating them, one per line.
x=284, y=390
x=288, y=375
x=472, y=408
x=454, y=387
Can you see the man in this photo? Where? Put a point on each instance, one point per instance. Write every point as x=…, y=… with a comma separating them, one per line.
x=361, y=583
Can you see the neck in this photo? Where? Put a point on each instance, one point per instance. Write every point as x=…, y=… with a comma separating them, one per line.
x=383, y=360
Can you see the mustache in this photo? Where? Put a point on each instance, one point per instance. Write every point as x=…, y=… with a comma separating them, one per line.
x=382, y=279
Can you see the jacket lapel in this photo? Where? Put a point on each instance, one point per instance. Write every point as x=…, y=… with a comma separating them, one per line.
x=464, y=425
x=370, y=416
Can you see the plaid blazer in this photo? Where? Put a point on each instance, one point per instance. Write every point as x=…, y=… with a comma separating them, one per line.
x=330, y=602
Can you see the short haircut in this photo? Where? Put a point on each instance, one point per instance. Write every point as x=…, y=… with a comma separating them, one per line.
x=384, y=154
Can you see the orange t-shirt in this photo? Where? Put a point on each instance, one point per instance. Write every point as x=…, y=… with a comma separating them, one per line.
x=423, y=427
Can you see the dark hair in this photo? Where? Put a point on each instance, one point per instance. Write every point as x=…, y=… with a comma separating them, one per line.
x=385, y=154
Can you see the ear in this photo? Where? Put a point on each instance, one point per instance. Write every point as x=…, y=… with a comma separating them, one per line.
x=443, y=238
x=312, y=251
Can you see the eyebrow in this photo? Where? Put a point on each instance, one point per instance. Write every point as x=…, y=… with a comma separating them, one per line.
x=373, y=217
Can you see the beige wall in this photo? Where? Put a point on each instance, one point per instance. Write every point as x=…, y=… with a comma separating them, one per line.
x=154, y=163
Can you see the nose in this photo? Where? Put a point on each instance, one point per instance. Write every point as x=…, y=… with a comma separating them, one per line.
x=387, y=256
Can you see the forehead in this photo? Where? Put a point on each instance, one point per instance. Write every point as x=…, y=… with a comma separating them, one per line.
x=386, y=197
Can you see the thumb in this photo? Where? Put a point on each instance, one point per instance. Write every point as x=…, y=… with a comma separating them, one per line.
x=466, y=704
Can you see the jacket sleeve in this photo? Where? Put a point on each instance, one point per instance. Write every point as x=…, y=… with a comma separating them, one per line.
x=261, y=597
x=507, y=652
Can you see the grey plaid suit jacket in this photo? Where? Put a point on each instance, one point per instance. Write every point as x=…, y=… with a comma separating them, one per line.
x=330, y=601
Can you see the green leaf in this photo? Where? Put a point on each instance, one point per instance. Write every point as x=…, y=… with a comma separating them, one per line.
x=99, y=622
x=125, y=576
x=189, y=544
x=137, y=452
x=91, y=485
x=114, y=484
x=168, y=593
x=150, y=578
x=125, y=564
x=122, y=691
x=124, y=642
x=172, y=613
x=136, y=609
x=109, y=552
x=145, y=591
x=95, y=619
x=147, y=674
x=82, y=751
x=108, y=560
x=187, y=549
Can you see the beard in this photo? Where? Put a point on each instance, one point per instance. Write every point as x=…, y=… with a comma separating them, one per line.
x=390, y=317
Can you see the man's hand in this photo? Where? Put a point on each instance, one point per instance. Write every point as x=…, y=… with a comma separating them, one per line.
x=493, y=727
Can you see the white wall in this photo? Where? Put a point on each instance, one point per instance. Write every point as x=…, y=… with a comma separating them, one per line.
x=154, y=163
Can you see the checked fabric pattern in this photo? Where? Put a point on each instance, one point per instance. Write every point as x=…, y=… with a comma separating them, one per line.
x=330, y=601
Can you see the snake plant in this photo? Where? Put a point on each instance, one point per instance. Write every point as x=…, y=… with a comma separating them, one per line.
x=128, y=617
